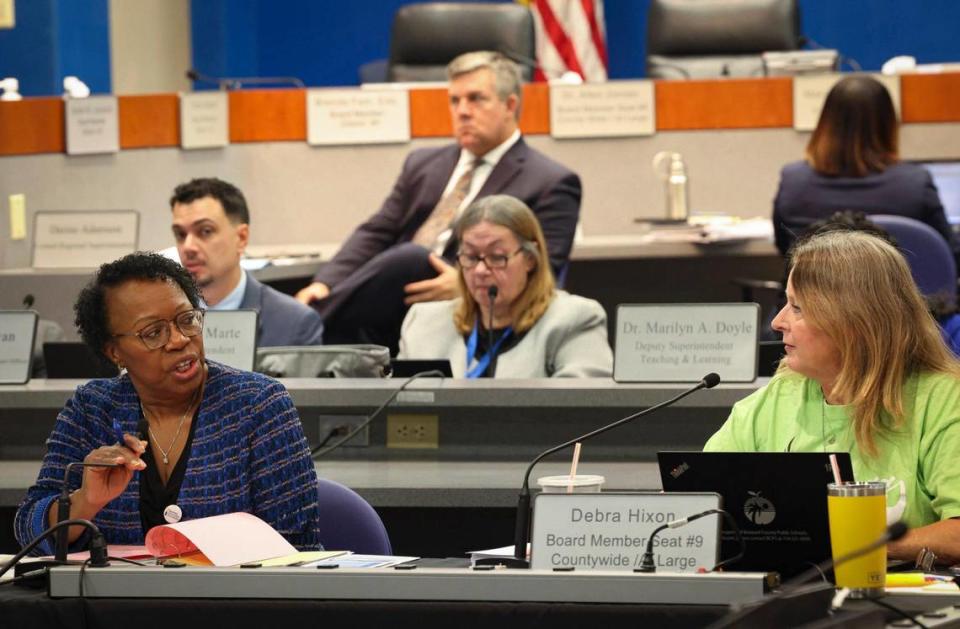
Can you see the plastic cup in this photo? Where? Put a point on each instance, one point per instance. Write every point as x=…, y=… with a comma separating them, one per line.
x=858, y=516
x=581, y=483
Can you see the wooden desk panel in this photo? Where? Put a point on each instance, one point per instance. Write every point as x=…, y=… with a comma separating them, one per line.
x=930, y=97
x=268, y=115
x=149, y=120
x=724, y=104
x=32, y=125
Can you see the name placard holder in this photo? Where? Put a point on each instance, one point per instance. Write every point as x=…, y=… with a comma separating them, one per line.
x=681, y=342
x=17, y=331
x=230, y=337
x=810, y=92
x=357, y=116
x=92, y=125
x=204, y=120
x=602, y=110
x=70, y=240
x=609, y=531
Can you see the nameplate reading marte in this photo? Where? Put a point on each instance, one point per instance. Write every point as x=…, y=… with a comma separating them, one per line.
x=682, y=342
x=354, y=116
x=609, y=531
x=602, y=110
x=204, y=120
x=17, y=331
x=230, y=337
x=810, y=92
x=83, y=239
x=92, y=125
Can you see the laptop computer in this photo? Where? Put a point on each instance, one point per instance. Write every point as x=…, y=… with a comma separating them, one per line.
x=406, y=367
x=778, y=499
x=74, y=360
x=769, y=355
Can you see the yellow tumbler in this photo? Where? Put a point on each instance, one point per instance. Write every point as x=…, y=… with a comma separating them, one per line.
x=858, y=516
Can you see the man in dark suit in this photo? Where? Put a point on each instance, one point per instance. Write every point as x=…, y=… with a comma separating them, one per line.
x=402, y=254
x=211, y=225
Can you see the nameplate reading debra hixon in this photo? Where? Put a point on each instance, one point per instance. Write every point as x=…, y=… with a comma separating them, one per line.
x=683, y=342
x=354, y=116
x=609, y=531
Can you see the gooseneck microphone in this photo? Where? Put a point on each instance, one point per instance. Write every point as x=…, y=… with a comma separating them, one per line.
x=63, y=508
x=647, y=564
x=523, y=501
x=98, y=545
x=794, y=601
x=492, y=293
x=237, y=82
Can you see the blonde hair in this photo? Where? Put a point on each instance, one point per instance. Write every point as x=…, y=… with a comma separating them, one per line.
x=857, y=290
x=509, y=212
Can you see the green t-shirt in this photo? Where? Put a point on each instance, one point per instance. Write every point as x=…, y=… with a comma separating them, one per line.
x=791, y=415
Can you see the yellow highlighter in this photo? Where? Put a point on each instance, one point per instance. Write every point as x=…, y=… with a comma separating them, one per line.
x=912, y=579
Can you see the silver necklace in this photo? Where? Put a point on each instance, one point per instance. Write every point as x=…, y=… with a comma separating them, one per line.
x=166, y=453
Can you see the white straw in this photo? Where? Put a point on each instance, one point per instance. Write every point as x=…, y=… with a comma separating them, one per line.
x=573, y=467
x=836, y=469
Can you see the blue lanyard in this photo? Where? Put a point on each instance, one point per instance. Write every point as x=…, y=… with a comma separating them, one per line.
x=484, y=361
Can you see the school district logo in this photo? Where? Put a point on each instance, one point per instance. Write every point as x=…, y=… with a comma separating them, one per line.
x=758, y=509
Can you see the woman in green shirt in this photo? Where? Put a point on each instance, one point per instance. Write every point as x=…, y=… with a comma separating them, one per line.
x=866, y=371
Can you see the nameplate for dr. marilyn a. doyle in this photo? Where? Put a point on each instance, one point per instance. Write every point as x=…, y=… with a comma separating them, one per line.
x=810, y=92
x=682, y=342
x=354, y=116
x=602, y=110
x=609, y=531
x=92, y=125
x=83, y=239
x=230, y=337
x=17, y=331
x=204, y=120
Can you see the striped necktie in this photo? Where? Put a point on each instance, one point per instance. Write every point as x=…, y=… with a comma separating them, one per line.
x=445, y=211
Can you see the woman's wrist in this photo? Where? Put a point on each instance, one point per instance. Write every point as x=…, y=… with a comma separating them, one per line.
x=82, y=507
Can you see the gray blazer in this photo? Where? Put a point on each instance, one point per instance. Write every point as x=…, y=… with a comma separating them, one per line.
x=283, y=320
x=569, y=340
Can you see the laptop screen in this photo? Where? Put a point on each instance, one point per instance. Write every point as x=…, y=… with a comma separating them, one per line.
x=946, y=176
x=778, y=499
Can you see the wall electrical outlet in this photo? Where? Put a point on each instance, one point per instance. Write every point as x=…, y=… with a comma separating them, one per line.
x=413, y=431
x=336, y=427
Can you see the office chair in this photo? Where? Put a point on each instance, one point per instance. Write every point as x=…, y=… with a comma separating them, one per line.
x=427, y=36
x=348, y=522
x=693, y=39
x=928, y=254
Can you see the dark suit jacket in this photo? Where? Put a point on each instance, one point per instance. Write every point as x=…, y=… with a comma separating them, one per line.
x=551, y=190
x=904, y=189
x=283, y=320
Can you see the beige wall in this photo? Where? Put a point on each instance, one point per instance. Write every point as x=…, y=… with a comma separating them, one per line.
x=309, y=195
x=149, y=46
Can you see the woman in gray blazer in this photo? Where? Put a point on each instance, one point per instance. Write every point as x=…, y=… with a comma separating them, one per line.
x=510, y=320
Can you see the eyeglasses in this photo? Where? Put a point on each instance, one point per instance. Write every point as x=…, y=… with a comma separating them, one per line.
x=493, y=261
x=157, y=334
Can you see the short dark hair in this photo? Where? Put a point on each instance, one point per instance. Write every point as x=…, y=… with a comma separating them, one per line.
x=857, y=132
x=229, y=196
x=91, y=306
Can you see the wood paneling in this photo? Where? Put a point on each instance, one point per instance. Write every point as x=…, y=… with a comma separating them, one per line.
x=724, y=104
x=149, y=120
x=32, y=125
x=930, y=97
x=268, y=115
x=429, y=113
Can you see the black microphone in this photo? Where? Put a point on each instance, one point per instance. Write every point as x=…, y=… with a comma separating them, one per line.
x=492, y=294
x=235, y=83
x=28, y=301
x=892, y=533
x=98, y=545
x=647, y=564
x=523, y=501
x=63, y=508
x=794, y=600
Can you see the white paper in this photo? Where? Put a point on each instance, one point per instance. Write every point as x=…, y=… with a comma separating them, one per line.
x=226, y=540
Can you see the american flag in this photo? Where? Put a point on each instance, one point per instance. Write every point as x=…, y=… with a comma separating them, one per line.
x=570, y=38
